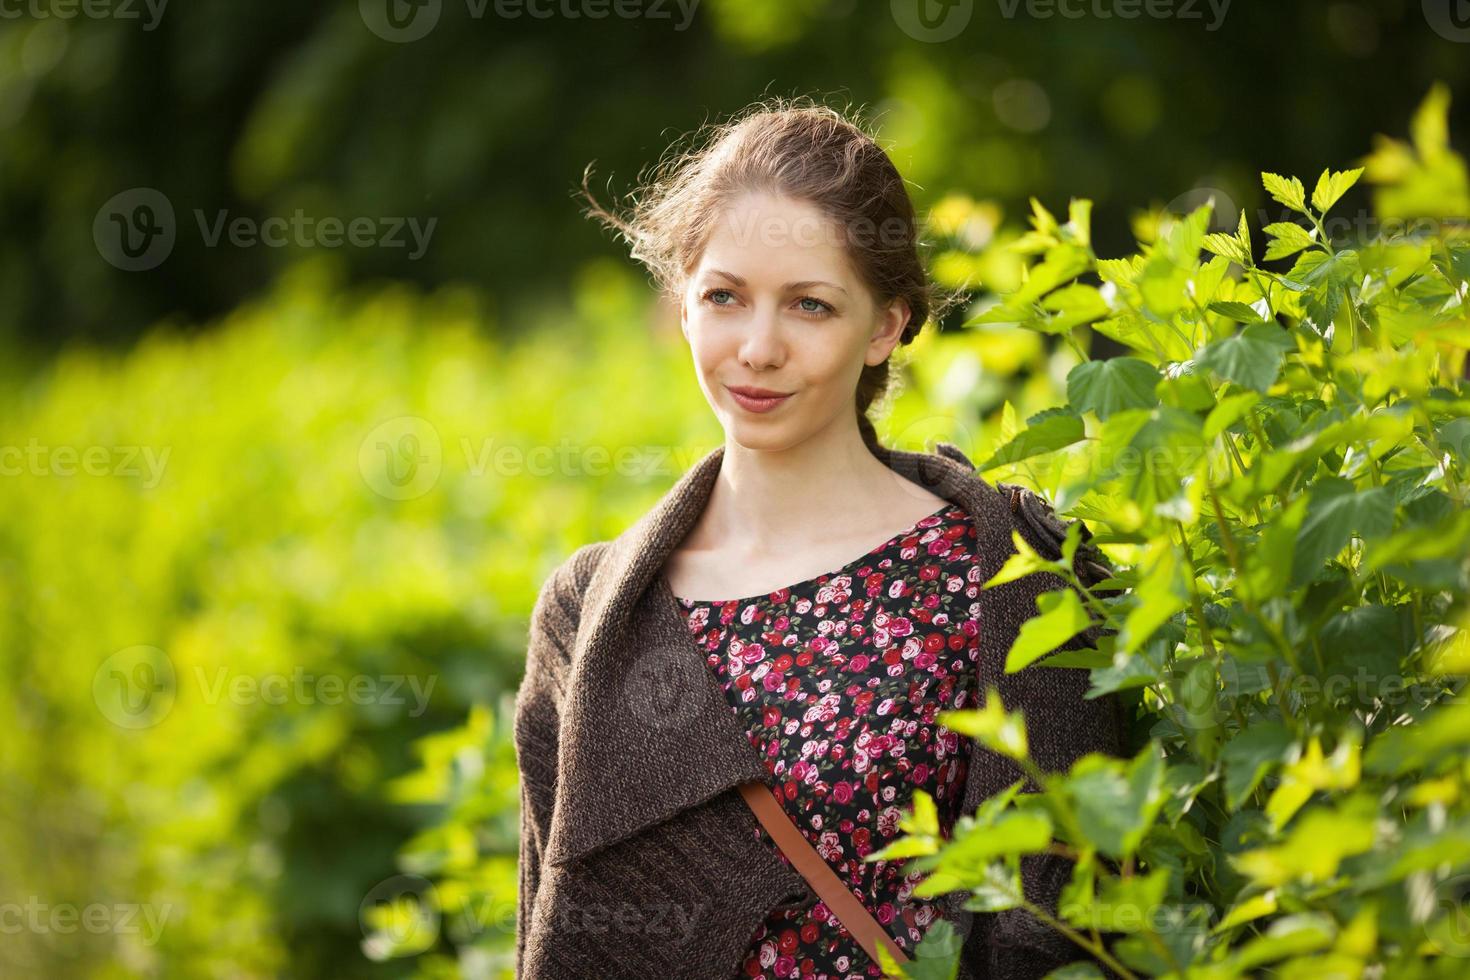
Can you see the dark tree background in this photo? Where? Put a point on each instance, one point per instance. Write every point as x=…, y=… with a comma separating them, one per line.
x=485, y=122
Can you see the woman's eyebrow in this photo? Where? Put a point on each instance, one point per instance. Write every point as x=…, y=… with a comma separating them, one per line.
x=802, y=284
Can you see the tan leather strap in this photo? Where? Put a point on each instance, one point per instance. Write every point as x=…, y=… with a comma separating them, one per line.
x=818, y=873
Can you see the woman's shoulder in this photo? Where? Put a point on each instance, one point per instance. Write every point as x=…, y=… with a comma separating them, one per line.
x=560, y=596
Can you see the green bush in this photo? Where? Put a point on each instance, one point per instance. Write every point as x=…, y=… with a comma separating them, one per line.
x=202, y=546
x=1278, y=468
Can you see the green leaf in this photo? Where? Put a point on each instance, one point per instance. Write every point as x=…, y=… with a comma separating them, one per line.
x=1251, y=358
x=1074, y=304
x=1150, y=452
x=1045, y=432
x=1161, y=592
x=1292, y=936
x=1116, y=802
x=1287, y=238
x=1062, y=617
x=1315, y=847
x=1124, y=904
x=1109, y=386
x=1249, y=756
x=998, y=889
x=1016, y=832
x=1287, y=190
x=1079, y=219
x=1268, y=564
x=1239, y=312
x=935, y=958
x=1332, y=186
x=1163, y=286
x=1226, y=245
x=1337, y=511
x=1025, y=561
x=1229, y=411
x=1248, y=911
x=997, y=729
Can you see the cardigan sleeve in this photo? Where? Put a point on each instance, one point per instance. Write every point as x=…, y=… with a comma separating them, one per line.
x=553, y=628
x=1062, y=725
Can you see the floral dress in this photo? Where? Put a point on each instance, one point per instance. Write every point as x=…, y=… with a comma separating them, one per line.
x=837, y=680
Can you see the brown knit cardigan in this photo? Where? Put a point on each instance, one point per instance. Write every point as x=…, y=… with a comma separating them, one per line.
x=637, y=857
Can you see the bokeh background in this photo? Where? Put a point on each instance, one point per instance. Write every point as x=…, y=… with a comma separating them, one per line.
x=311, y=368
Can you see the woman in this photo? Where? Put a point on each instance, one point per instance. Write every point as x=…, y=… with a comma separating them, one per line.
x=793, y=611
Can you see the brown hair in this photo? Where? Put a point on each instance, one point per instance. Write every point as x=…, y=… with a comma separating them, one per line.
x=801, y=150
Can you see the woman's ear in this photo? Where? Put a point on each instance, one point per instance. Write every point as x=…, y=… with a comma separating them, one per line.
x=888, y=330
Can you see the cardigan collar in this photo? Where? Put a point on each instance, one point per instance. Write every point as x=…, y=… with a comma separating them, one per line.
x=646, y=729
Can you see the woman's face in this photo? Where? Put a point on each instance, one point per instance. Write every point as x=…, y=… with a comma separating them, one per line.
x=773, y=306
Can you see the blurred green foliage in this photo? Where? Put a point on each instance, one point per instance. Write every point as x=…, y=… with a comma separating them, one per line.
x=194, y=535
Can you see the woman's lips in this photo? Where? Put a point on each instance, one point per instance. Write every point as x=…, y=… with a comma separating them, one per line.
x=752, y=403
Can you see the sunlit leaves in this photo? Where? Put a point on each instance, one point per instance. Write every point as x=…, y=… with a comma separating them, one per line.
x=999, y=730
x=1251, y=358
x=1045, y=432
x=1286, y=190
x=1310, y=772
x=1287, y=238
x=1116, y=801
x=1314, y=848
x=1062, y=617
x=1109, y=386
x=1332, y=185
x=1281, y=460
x=1161, y=592
x=1338, y=511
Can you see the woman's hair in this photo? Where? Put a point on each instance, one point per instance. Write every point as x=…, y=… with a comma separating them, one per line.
x=801, y=150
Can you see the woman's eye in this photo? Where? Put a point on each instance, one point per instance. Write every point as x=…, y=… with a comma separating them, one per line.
x=717, y=292
x=817, y=305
